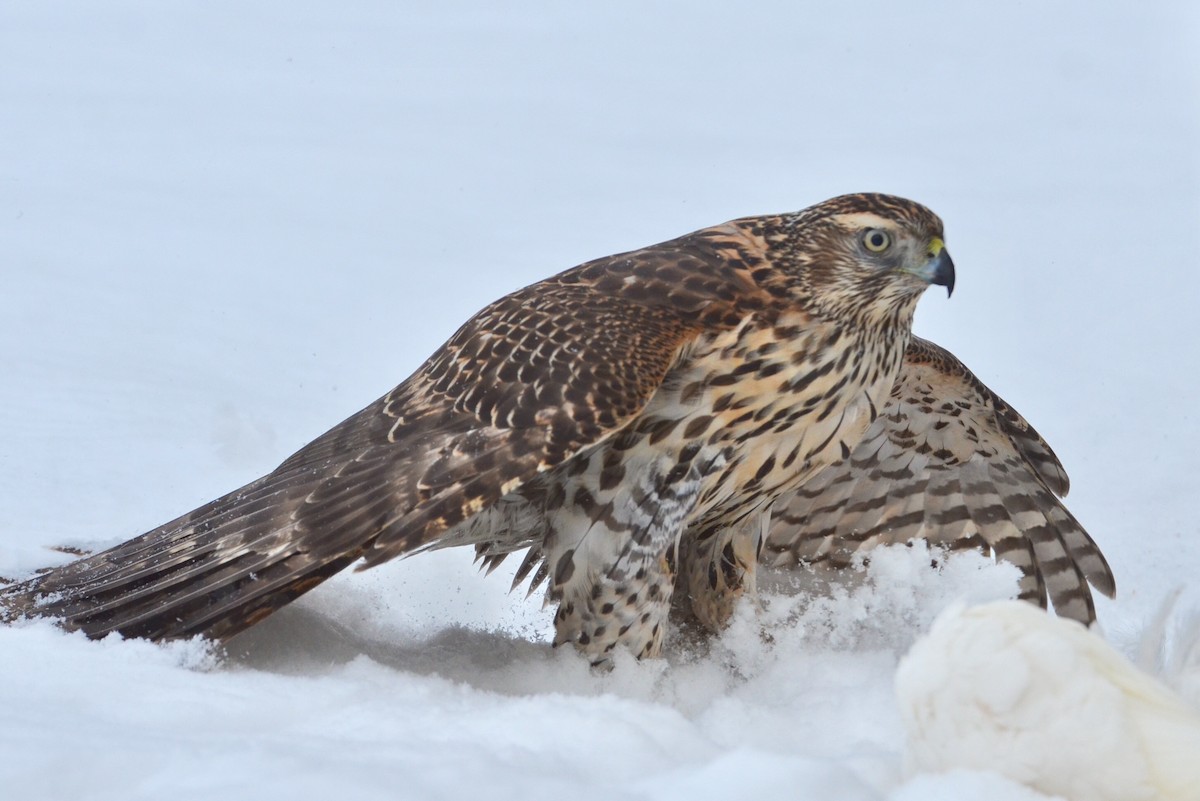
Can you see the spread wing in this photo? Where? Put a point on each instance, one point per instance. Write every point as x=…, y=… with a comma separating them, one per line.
x=948, y=461
x=521, y=387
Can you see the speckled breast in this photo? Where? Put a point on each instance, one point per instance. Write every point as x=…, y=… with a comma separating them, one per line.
x=772, y=403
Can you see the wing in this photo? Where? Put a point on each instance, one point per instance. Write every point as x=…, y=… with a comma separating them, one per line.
x=521, y=387
x=948, y=461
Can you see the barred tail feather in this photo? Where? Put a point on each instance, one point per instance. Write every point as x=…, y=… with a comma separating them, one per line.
x=214, y=572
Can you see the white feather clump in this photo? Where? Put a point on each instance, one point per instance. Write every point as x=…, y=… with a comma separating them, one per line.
x=1007, y=687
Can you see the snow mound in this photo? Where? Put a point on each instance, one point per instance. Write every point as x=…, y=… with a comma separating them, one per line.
x=349, y=692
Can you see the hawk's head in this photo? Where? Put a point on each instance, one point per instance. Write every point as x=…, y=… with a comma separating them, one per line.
x=868, y=256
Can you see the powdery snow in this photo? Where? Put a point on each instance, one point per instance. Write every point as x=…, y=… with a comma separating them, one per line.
x=794, y=696
x=226, y=227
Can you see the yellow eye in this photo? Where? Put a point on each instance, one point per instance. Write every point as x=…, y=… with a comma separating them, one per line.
x=876, y=240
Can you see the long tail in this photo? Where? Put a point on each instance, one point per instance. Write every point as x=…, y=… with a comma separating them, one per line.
x=233, y=561
x=214, y=571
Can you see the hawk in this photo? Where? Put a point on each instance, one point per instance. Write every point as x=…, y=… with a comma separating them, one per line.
x=630, y=423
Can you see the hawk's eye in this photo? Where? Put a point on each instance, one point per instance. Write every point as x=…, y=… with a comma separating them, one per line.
x=876, y=240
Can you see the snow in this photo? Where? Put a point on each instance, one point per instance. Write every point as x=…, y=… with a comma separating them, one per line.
x=227, y=226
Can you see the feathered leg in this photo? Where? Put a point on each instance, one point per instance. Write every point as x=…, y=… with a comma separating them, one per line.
x=610, y=557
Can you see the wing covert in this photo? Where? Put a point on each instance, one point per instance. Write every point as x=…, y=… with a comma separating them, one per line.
x=526, y=383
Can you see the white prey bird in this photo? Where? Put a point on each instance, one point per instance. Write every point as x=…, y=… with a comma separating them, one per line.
x=1006, y=687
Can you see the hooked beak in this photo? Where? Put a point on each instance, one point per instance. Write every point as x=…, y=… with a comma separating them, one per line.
x=940, y=268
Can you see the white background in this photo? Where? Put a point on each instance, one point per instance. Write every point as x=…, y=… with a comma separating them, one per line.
x=225, y=226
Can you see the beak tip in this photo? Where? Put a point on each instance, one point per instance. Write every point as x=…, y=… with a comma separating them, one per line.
x=942, y=272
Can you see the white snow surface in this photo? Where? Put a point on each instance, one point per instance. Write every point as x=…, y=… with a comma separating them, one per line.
x=225, y=226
